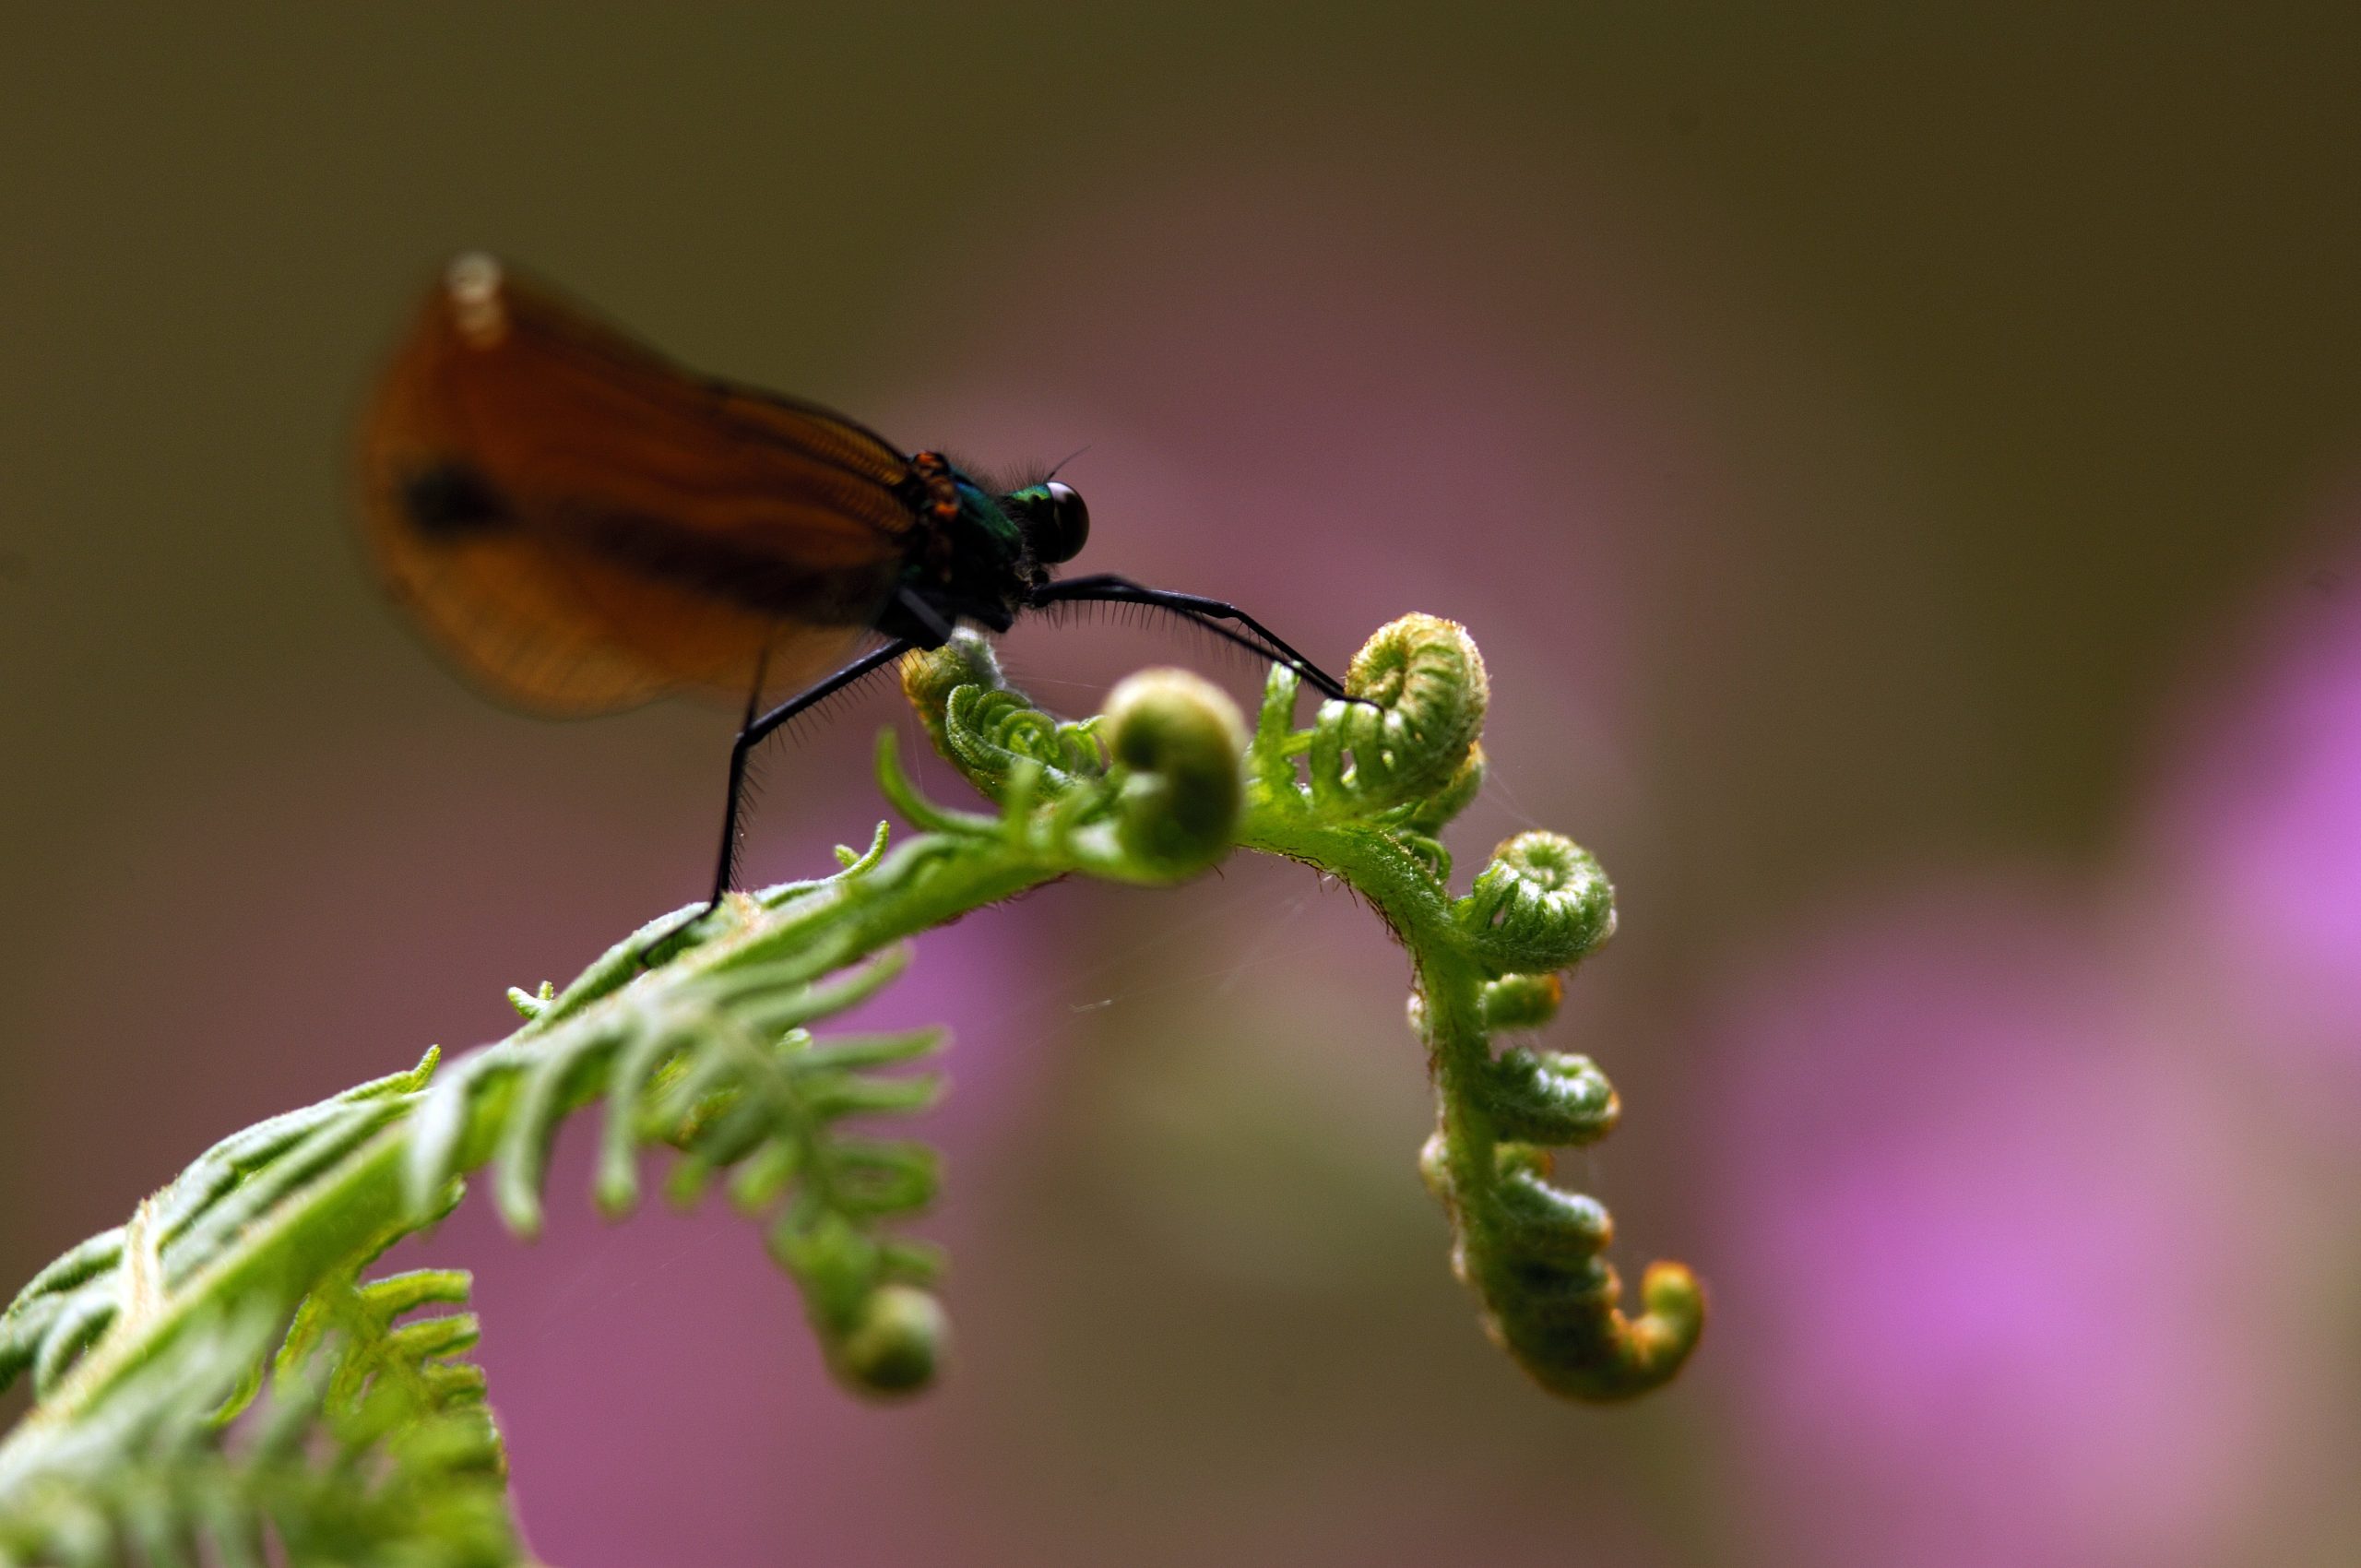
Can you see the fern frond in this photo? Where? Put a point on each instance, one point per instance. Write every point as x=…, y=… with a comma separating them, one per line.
x=722, y=1067
x=371, y=1446
x=368, y=1443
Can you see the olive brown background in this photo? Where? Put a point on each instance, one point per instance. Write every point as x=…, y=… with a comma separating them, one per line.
x=1899, y=462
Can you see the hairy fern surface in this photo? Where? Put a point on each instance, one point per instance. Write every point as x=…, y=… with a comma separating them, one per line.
x=218, y=1378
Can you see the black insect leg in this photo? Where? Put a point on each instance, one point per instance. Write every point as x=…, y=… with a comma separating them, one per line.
x=751, y=733
x=1207, y=613
x=930, y=620
x=726, y=871
x=756, y=730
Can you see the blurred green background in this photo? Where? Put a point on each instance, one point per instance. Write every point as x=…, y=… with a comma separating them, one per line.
x=1847, y=429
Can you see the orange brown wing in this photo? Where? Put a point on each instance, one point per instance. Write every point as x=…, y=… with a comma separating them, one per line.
x=584, y=525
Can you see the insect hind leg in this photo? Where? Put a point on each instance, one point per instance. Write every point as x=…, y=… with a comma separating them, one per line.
x=751, y=733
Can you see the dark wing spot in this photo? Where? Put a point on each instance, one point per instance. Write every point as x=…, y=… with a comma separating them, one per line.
x=452, y=501
x=725, y=570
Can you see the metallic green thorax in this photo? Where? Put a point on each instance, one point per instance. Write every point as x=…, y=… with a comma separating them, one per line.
x=977, y=564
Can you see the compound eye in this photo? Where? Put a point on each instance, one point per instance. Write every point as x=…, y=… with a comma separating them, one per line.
x=1069, y=527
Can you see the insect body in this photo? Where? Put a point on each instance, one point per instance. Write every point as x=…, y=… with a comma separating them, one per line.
x=584, y=525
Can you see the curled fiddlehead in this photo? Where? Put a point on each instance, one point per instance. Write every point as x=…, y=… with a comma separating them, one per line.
x=137, y=1340
x=1423, y=691
x=1486, y=963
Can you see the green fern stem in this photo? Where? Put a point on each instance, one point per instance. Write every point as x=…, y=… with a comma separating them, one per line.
x=700, y=1038
x=1360, y=796
x=1550, y=1298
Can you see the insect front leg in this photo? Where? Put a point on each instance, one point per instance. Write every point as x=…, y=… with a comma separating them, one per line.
x=1207, y=613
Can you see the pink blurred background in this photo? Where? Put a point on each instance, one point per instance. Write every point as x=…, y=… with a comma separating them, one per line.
x=1904, y=474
